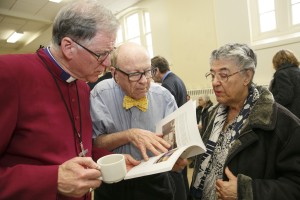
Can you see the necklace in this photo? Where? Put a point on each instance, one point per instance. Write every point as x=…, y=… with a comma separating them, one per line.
x=77, y=133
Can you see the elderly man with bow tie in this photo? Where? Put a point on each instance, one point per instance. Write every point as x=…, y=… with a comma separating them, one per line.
x=124, y=111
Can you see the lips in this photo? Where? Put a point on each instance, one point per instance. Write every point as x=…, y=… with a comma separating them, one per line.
x=141, y=89
x=217, y=93
x=98, y=72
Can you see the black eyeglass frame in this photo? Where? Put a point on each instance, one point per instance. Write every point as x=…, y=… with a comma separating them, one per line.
x=225, y=79
x=129, y=75
x=100, y=56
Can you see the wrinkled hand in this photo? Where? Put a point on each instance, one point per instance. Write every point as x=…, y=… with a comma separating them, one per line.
x=77, y=176
x=227, y=190
x=130, y=162
x=144, y=140
x=180, y=164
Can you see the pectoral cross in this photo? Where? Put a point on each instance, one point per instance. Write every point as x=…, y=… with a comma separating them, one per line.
x=83, y=151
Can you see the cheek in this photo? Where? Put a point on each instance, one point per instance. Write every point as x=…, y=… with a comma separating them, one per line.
x=228, y=90
x=233, y=91
x=88, y=68
x=126, y=87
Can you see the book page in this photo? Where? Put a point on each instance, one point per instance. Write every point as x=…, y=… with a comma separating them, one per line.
x=180, y=129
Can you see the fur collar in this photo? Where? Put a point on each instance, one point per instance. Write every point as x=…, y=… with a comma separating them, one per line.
x=262, y=115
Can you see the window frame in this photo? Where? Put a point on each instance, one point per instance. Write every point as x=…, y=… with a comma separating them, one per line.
x=122, y=17
x=285, y=31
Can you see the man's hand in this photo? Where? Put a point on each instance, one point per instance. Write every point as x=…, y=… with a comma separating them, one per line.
x=180, y=164
x=77, y=176
x=144, y=140
x=130, y=162
x=227, y=190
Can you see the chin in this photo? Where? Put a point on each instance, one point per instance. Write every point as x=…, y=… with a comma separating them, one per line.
x=139, y=96
x=220, y=100
x=92, y=79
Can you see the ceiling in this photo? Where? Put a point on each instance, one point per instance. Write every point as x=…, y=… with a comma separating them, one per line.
x=34, y=18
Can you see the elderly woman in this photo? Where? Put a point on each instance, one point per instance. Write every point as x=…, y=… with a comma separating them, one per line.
x=252, y=142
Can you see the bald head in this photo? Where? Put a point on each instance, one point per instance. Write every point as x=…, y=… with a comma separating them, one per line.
x=131, y=55
x=131, y=61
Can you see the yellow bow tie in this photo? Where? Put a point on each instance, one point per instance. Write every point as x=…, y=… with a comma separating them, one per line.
x=141, y=104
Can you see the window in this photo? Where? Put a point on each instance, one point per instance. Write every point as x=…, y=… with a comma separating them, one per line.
x=267, y=17
x=295, y=7
x=274, y=21
x=135, y=27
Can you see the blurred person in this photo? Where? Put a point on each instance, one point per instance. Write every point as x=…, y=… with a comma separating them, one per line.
x=285, y=85
x=173, y=83
x=252, y=141
x=163, y=74
x=198, y=111
x=124, y=112
x=188, y=97
x=204, y=103
x=46, y=128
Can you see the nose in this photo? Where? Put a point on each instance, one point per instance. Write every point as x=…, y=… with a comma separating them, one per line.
x=106, y=62
x=143, y=78
x=215, y=81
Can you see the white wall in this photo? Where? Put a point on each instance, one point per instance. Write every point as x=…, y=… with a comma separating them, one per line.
x=185, y=32
x=232, y=25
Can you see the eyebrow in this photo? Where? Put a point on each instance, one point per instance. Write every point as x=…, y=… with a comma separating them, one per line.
x=141, y=70
x=222, y=69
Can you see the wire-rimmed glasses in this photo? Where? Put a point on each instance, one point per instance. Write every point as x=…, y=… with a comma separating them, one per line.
x=136, y=76
x=99, y=56
x=221, y=76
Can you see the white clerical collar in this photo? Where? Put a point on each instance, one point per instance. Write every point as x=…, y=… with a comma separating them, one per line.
x=71, y=79
x=65, y=75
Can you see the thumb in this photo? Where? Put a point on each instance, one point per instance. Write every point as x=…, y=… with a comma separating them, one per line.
x=130, y=160
x=87, y=162
x=229, y=174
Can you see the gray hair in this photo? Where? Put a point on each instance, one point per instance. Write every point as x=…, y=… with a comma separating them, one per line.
x=81, y=20
x=206, y=98
x=241, y=54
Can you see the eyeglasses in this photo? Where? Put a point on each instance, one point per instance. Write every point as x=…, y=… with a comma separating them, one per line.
x=100, y=56
x=221, y=76
x=136, y=76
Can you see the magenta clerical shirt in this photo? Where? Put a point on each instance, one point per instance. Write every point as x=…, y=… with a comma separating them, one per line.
x=36, y=131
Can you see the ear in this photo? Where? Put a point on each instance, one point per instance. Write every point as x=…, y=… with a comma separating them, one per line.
x=158, y=74
x=113, y=73
x=248, y=77
x=67, y=47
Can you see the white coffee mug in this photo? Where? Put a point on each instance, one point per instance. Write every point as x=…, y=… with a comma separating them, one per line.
x=113, y=168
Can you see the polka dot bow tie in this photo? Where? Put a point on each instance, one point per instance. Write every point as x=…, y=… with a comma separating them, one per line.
x=141, y=104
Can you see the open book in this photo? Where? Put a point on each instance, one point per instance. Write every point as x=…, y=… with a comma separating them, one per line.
x=180, y=129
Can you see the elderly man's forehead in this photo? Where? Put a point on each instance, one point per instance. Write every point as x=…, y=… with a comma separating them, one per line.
x=132, y=48
x=134, y=60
